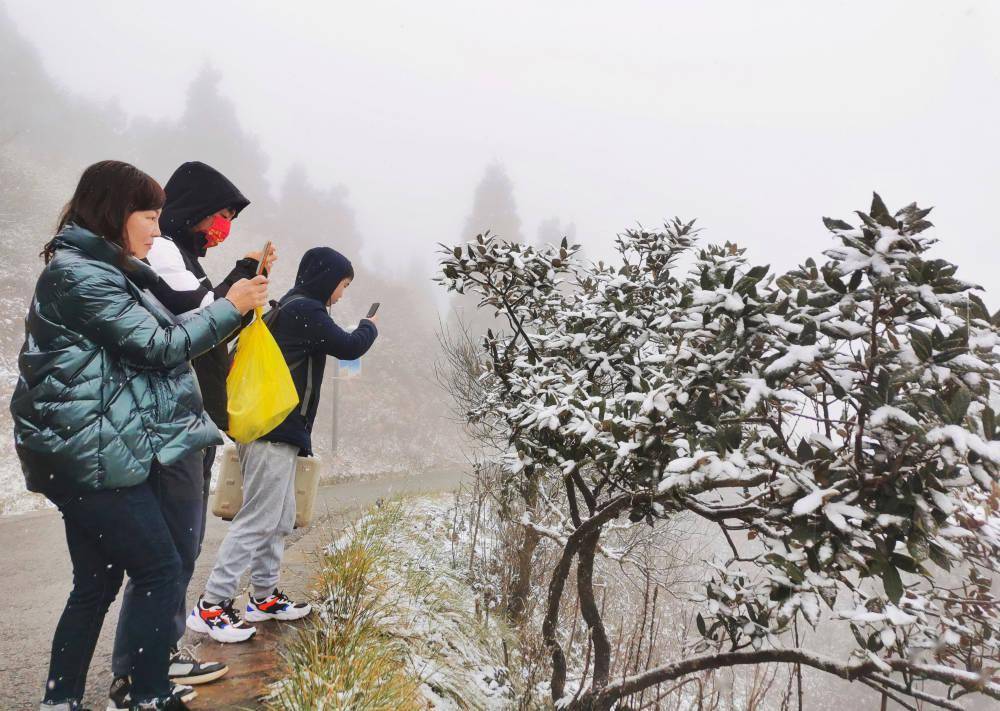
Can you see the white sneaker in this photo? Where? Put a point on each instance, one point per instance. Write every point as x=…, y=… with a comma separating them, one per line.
x=220, y=622
x=276, y=606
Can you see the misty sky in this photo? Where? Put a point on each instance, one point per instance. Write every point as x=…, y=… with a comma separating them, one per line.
x=755, y=117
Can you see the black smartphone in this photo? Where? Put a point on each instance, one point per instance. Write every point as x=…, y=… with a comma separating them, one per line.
x=373, y=310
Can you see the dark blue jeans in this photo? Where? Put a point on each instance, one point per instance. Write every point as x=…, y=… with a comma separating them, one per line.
x=110, y=533
x=181, y=489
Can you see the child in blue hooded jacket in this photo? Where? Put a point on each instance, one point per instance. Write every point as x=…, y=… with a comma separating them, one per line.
x=307, y=335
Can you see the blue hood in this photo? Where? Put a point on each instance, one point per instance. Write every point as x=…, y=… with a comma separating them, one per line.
x=321, y=271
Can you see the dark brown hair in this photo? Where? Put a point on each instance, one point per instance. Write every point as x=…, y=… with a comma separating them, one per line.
x=108, y=192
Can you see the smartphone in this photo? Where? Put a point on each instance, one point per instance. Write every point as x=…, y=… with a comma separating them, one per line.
x=263, y=258
x=373, y=310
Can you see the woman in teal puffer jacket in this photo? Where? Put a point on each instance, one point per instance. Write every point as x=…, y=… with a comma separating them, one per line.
x=105, y=389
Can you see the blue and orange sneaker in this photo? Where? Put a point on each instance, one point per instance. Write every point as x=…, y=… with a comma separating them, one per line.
x=276, y=606
x=219, y=621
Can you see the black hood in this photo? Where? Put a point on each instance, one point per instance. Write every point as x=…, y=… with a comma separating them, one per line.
x=194, y=192
x=321, y=271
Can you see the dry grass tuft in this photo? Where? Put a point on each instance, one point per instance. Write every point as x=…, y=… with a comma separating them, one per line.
x=344, y=659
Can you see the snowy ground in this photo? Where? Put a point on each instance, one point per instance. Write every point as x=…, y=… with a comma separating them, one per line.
x=452, y=651
x=14, y=498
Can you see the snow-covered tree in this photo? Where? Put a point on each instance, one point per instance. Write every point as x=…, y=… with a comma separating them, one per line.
x=836, y=422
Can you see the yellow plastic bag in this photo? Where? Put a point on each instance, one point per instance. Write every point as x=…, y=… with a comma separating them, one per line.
x=259, y=387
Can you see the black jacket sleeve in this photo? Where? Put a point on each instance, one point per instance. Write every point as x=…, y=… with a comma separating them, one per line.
x=245, y=268
x=179, y=302
x=334, y=341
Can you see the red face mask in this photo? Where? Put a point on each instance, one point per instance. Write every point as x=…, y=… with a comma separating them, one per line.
x=217, y=231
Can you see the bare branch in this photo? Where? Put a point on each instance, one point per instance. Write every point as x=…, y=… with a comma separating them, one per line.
x=848, y=671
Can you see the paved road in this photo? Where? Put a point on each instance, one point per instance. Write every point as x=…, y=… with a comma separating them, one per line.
x=35, y=579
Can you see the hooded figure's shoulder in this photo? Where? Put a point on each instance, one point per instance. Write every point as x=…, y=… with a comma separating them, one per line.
x=303, y=304
x=173, y=264
x=164, y=249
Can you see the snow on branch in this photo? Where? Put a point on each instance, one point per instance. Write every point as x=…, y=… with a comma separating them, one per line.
x=840, y=414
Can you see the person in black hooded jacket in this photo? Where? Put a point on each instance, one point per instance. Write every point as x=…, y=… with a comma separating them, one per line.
x=201, y=204
x=307, y=335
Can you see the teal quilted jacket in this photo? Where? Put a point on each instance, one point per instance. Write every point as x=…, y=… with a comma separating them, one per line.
x=105, y=383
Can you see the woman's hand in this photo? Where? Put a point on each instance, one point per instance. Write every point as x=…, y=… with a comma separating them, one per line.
x=272, y=257
x=248, y=294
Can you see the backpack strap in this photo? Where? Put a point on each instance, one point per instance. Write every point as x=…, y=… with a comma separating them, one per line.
x=270, y=315
x=268, y=319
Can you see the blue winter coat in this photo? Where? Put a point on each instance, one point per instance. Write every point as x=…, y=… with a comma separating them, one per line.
x=105, y=382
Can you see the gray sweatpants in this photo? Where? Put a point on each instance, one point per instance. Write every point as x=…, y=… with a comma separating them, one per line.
x=256, y=537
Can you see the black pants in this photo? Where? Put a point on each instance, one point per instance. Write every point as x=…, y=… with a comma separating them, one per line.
x=181, y=490
x=110, y=533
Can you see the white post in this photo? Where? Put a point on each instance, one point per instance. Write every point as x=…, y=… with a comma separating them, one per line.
x=336, y=397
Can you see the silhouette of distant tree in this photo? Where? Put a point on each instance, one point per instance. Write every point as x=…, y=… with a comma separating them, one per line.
x=551, y=231
x=493, y=207
x=311, y=216
x=494, y=210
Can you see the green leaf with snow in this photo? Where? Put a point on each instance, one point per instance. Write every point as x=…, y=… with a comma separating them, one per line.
x=892, y=583
x=958, y=405
x=880, y=213
x=833, y=281
x=921, y=344
x=832, y=224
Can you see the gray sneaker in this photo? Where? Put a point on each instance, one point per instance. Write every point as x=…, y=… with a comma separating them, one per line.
x=186, y=668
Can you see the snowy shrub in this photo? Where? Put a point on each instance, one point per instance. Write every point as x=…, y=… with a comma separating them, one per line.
x=837, y=422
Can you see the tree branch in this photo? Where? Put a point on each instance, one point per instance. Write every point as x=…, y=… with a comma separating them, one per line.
x=848, y=671
x=723, y=512
x=574, y=507
x=591, y=613
x=892, y=695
